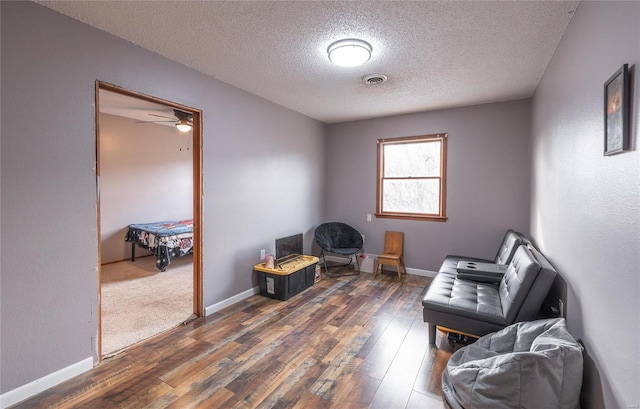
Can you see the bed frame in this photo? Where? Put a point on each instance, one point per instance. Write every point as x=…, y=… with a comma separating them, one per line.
x=167, y=240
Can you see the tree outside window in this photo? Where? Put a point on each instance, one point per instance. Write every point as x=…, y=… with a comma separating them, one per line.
x=412, y=177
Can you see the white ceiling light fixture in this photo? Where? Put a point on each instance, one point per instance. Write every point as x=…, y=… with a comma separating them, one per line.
x=350, y=52
x=183, y=125
x=183, y=120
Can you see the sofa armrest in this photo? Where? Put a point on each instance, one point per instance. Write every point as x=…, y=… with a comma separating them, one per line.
x=451, y=262
x=481, y=272
x=481, y=277
x=481, y=268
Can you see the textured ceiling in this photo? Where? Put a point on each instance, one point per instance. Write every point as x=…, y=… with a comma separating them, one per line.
x=437, y=54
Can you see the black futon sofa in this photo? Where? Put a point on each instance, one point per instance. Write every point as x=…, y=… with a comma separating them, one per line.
x=478, y=302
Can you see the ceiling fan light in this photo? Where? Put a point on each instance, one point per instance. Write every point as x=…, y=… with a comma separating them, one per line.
x=349, y=52
x=183, y=125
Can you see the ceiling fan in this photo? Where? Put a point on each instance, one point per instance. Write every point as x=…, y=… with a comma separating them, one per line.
x=182, y=120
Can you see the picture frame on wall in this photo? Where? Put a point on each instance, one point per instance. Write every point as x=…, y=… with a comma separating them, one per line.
x=616, y=112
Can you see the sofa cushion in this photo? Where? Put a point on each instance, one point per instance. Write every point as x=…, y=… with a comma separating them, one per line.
x=512, y=240
x=510, y=243
x=514, y=287
x=449, y=294
x=540, y=288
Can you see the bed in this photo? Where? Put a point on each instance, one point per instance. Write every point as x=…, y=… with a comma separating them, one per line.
x=167, y=240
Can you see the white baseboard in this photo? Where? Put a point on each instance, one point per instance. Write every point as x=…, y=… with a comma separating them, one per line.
x=423, y=273
x=33, y=388
x=368, y=264
x=230, y=301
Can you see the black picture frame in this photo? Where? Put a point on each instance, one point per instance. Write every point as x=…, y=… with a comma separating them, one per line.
x=616, y=112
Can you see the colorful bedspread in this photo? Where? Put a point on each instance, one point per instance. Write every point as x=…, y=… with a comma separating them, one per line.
x=167, y=240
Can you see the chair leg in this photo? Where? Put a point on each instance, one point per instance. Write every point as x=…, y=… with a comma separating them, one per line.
x=399, y=272
x=324, y=260
x=356, y=270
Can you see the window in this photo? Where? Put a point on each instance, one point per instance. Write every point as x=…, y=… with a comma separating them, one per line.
x=412, y=177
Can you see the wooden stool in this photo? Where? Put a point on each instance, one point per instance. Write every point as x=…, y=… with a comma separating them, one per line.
x=393, y=248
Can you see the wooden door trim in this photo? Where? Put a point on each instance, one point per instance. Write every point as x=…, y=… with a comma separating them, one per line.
x=198, y=308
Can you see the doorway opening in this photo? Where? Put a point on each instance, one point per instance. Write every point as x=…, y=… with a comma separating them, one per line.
x=149, y=185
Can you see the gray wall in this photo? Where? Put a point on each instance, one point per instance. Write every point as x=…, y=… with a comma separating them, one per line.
x=263, y=168
x=487, y=179
x=585, y=213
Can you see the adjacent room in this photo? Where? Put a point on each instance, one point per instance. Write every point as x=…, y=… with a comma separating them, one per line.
x=495, y=143
x=146, y=180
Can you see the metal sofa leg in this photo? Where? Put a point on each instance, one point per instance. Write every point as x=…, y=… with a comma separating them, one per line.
x=432, y=334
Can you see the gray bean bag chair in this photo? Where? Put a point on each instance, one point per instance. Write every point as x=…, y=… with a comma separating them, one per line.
x=526, y=365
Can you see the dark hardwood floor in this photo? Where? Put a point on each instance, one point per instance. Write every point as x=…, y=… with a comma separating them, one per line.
x=350, y=342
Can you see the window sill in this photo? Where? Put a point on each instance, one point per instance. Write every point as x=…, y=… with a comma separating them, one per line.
x=410, y=216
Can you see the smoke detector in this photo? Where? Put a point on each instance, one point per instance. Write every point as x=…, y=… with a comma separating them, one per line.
x=374, y=79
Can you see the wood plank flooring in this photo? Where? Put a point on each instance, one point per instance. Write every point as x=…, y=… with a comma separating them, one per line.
x=349, y=342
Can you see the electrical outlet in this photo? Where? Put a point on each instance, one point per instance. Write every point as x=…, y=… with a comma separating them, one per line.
x=369, y=217
x=263, y=254
x=561, y=308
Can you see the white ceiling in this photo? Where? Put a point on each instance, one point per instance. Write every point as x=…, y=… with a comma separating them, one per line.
x=437, y=54
x=135, y=108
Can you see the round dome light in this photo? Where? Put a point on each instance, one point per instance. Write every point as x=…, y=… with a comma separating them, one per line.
x=350, y=52
x=183, y=125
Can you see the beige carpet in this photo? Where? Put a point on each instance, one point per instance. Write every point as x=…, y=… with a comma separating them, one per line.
x=139, y=301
